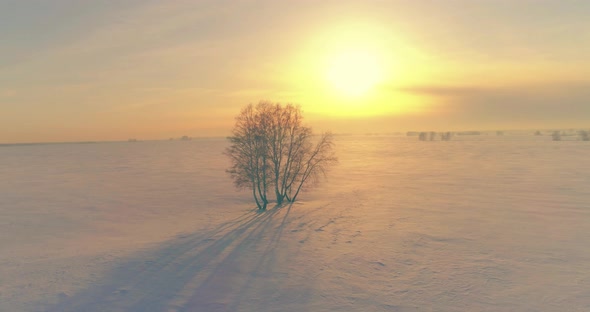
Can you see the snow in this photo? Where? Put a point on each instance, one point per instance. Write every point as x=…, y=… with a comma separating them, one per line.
x=479, y=223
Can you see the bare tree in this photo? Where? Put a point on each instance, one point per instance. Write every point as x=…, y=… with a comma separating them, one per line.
x=445, y=136
x=310, y=164
x=432, y=135
x=249, y=166
x=270, y=146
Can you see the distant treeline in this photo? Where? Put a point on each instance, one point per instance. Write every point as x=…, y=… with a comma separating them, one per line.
x=556, y=135
x=431, y=136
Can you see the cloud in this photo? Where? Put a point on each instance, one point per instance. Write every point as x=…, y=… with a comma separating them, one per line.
x=439, y=90
x=538, y=104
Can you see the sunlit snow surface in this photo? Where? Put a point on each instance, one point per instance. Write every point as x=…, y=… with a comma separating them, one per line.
x=479, y=223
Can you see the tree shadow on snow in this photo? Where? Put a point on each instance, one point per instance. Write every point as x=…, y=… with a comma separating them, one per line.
x=204, y=271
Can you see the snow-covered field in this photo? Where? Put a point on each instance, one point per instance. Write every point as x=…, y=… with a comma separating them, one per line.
x=479, y=223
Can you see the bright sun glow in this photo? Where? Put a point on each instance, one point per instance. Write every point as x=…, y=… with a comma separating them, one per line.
x=350, y=70
x=354, y=72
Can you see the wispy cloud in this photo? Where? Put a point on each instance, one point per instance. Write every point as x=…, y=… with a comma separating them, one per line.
x=556, y=103
x=440, y=90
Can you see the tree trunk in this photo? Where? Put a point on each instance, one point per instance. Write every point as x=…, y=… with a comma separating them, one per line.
x=256, y=198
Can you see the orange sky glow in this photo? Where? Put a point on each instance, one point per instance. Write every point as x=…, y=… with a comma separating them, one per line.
x=158, y=69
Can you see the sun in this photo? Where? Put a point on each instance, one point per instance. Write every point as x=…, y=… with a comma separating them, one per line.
x=354, y=72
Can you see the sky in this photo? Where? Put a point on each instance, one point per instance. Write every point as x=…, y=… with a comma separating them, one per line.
x=93, y=70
